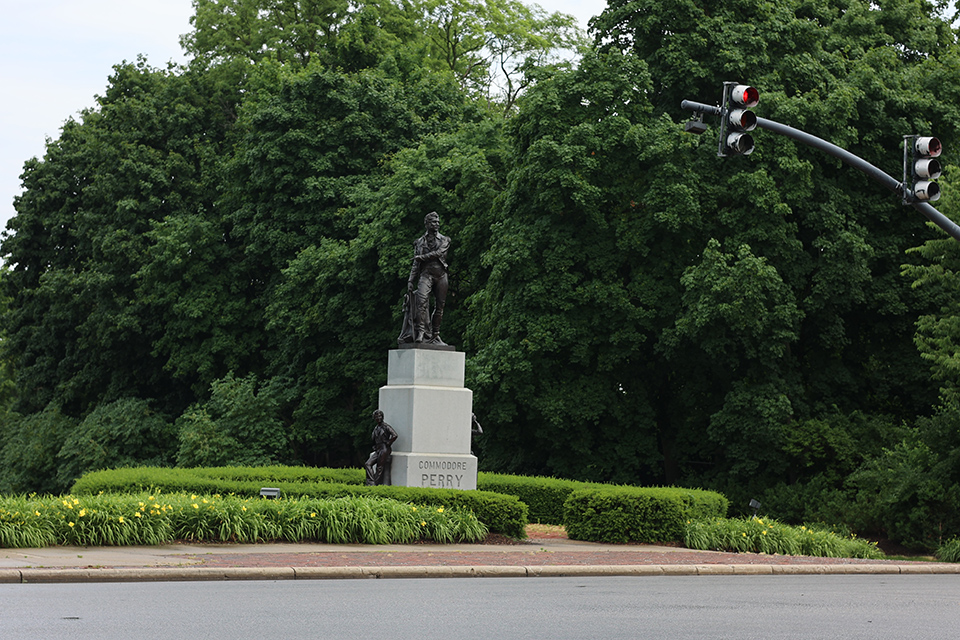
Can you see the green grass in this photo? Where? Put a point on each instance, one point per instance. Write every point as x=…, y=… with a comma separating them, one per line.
x=155, y=518
x=949, y=551
x=758, y=535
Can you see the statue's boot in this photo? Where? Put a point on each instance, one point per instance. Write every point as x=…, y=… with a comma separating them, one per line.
x=435, y=337
x=421, y=333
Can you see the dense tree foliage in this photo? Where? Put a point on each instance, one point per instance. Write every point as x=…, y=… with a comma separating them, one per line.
x=487, y=45
x=207, y=268
x=77, y=321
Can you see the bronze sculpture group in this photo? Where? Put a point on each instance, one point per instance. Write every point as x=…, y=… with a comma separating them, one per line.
x=428, y=278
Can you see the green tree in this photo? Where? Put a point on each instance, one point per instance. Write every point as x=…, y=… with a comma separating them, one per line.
x=859, y=75
x=571, y=301
x=75, y=328
x=937, y=275
x=655, y=315
x=8, y=383
x=292, y=30
x=28, y=457
x=238, y=425
x=489, y=46
x=123, y=433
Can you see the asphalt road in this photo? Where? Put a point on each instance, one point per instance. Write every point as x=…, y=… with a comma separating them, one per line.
x=741, y=607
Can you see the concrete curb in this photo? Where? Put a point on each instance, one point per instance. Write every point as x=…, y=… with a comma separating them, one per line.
x=195, y=574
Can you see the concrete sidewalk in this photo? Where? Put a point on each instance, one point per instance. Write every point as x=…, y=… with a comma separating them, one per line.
x=530, y=558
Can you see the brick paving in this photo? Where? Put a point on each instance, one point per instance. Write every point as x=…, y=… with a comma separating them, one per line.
x=545, y=552
x=528, y=554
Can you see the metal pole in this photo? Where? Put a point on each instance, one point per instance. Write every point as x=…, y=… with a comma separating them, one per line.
x=893, y=184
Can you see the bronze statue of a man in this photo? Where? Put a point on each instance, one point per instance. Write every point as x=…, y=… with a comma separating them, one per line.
x=378, y=464
x=428, y=276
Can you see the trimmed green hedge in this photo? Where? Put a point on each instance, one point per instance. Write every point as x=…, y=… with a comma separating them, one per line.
x=634, y=514
x=501, y=513
x=544, y=496
x=279, y=473
x=502, y=502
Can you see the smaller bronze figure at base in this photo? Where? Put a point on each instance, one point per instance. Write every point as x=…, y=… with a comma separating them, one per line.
x=378, y=464
x=475, y=430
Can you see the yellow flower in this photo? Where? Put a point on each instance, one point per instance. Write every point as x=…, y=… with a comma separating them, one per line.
x=422, y=523
x=440, y=510
x=36, y=513
x=193, y=497
x=244, y=508
x=136, y=514
x=70, y=524
x=313, y=515
x=83, y=512
x=764, y=532
x=414, y=508
x=120, y=519
x=204, y=501
x=744, y=535
x=195, y=506
x=75, y=501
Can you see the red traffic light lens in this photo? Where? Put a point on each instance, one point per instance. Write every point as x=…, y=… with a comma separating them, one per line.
x=745, y=95
x=929, y=147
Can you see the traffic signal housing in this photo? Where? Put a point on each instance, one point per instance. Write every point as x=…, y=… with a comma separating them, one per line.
x=736, y=119
x=921, y=169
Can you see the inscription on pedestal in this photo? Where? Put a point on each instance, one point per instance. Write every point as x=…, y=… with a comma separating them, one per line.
x=435, y=472
x=442, y=474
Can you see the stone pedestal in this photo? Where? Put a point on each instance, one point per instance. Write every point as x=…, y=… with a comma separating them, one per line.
x=430, y=409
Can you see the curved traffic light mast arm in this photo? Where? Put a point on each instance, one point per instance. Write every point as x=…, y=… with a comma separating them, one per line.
x=893, y=184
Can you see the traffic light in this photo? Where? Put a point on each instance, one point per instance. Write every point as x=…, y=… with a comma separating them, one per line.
x=736, y=119
x=921, y=168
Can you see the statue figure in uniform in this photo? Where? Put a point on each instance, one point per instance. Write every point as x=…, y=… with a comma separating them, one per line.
x=428, y=277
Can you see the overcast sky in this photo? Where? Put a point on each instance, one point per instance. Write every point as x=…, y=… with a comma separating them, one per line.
x=56, y=55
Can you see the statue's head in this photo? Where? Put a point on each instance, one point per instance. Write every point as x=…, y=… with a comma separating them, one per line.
x=378, y=415
x=432, y=220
